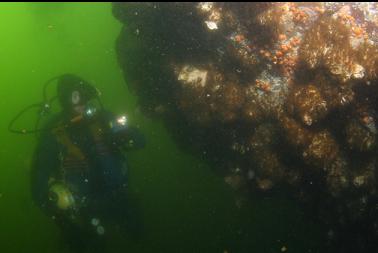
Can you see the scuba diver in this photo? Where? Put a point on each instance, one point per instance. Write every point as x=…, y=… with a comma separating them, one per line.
x=79, y=171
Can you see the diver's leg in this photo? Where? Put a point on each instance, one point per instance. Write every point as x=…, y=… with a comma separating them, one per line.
x=73, y=237
x=79, y=239
x=114, y=201
x=126, y=215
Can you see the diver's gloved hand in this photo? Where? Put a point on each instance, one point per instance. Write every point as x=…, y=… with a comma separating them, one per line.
x=126, y=136
x=132, y=139
x=61, y=196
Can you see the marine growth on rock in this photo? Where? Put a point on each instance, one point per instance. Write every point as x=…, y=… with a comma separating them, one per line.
x=284, y=92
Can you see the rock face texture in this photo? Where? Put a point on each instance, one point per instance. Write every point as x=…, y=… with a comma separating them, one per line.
x=275, y=95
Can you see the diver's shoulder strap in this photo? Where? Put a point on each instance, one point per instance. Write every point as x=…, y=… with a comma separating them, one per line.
x=63, y=138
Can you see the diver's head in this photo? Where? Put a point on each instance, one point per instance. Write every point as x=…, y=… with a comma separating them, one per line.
x=74, y=93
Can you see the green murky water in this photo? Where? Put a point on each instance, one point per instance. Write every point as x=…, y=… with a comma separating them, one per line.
x=184, y=205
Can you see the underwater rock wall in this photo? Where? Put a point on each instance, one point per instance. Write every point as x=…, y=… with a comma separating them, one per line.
x=275, y=95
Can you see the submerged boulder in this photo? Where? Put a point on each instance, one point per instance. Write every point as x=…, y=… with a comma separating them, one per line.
x=285, y=92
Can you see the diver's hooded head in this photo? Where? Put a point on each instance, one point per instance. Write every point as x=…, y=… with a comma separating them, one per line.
x=74, y=92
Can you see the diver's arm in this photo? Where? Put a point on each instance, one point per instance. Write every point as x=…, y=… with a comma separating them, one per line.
x=46, y=161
